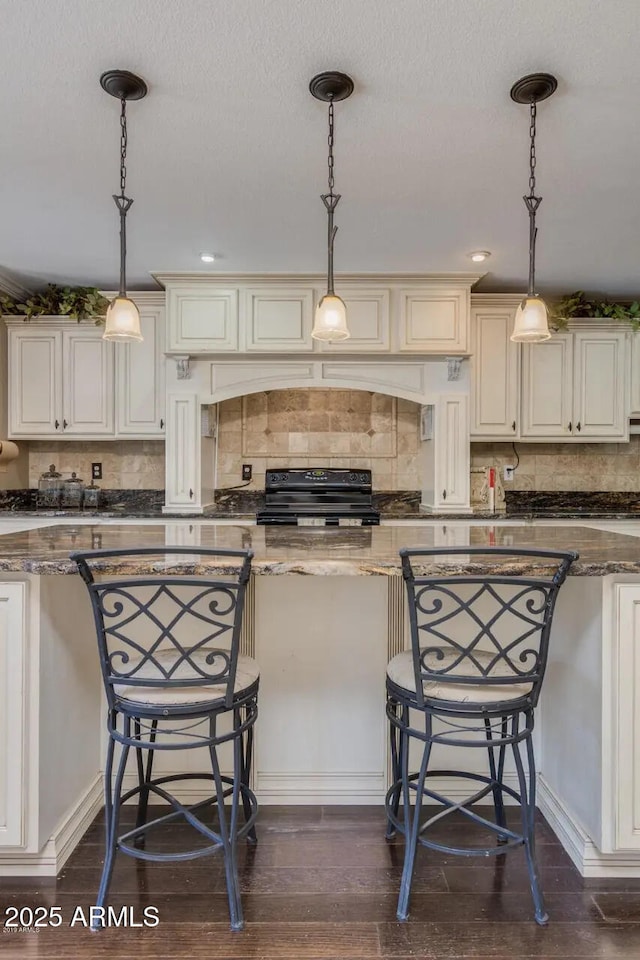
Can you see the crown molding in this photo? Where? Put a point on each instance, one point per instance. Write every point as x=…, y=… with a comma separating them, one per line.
x=278, y=279
x=150, y=298
x=496, y=299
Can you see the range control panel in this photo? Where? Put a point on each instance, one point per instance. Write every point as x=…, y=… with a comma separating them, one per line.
x=318, y=477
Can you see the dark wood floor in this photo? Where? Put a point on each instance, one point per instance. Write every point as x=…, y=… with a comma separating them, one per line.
x=322, y=883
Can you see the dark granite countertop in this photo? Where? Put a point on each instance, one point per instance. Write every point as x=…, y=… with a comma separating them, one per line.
x=347, y=551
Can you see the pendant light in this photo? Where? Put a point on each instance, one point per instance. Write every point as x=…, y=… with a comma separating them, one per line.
x=123, y=319
x=331, y=313
x=531, y=323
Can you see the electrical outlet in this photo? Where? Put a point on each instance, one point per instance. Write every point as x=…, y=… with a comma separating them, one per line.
x=247, y=471
x=96, y=471
x=508, y=473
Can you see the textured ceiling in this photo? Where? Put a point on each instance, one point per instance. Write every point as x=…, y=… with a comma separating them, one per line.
x=227, y=153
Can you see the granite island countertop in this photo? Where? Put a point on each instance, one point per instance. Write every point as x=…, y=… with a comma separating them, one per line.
x=345, y=551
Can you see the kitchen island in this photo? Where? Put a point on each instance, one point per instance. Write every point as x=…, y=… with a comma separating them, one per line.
x=325, y=612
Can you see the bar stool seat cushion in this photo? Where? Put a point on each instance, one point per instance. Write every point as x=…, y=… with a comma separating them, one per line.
x=177, y=693
x=400, y=672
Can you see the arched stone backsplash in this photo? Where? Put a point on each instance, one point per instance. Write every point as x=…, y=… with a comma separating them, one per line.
x=313, y=427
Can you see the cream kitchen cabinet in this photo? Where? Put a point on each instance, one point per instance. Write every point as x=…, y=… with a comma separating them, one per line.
x=60, y=381
x=495, y=370
x=575, y=386
x=434, y=319
x=140, y=378
x=259, y=313
x=368, y=312
x=14, y=753
x=547, y=388
x=183, y=484
x=202, y=318
x=635, y=374
x=278, y=319
x=572, y=387
x=621, y=703
x=445, y=457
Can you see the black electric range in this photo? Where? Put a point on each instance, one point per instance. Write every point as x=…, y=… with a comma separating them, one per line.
x=328, y=496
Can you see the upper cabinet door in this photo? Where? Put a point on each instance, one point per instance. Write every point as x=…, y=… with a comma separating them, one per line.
x=278, y=320
x=547, y=387
x=140, y=380
x=495, y=374
x=367, y=319
x=600, y=401
x=87, y=375
x=202, y=321
x=35, y=382
x=434, y=320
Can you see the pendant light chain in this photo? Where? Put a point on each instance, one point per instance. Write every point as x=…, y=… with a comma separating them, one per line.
x=122, y=201
x=330, y=201
x=123, y=147
x=532, y=202
x=330, y=141
x=532, y=150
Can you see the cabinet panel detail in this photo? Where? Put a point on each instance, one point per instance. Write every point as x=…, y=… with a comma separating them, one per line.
x=495, y=377
x=547, y=387
x=202, y=321
x=434, y=321
x=367, y=319
x=87, y=376
x=35, y=383
x=624, y=700
x=183, y=485
x=600, y=407
x=13, y=700
x=635, y=374
x=279, y=320
x=140, y=390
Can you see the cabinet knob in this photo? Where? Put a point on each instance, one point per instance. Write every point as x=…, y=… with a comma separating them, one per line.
x=190, y=494
x=161, y=423
x=513, y=426
x=57, y=424
x=64, y=424
x=569, y=427
x=444, y=494
x=578, y=427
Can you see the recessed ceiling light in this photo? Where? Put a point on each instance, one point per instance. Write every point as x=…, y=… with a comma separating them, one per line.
x=207, y=257
x=479, y=255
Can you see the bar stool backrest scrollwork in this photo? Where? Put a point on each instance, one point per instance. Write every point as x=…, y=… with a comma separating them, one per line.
x=176, y=630
x=489, y=629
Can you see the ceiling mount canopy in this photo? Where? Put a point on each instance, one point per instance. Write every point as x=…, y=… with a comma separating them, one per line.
x=534, y=88
x=531, y=324
x=123, y=85
x=123, y=318
x=331, y=313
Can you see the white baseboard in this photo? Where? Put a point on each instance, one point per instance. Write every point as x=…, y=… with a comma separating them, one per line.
x=590, y=861
x=49, y=861
x=337, y=787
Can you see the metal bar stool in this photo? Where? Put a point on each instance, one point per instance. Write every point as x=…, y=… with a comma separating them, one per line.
x=479, y=644
x=172, y=671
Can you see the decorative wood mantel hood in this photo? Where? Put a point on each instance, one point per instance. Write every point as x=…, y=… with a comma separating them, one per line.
x=388, y=314
x=233, y=335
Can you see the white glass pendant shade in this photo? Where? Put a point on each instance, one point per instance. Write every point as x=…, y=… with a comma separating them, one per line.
x=531, y=323
x=330, y=319
x=122, y=321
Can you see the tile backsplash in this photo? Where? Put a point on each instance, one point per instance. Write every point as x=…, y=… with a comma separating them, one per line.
x=565, y=466
x=126, y=464
x=315, y=427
